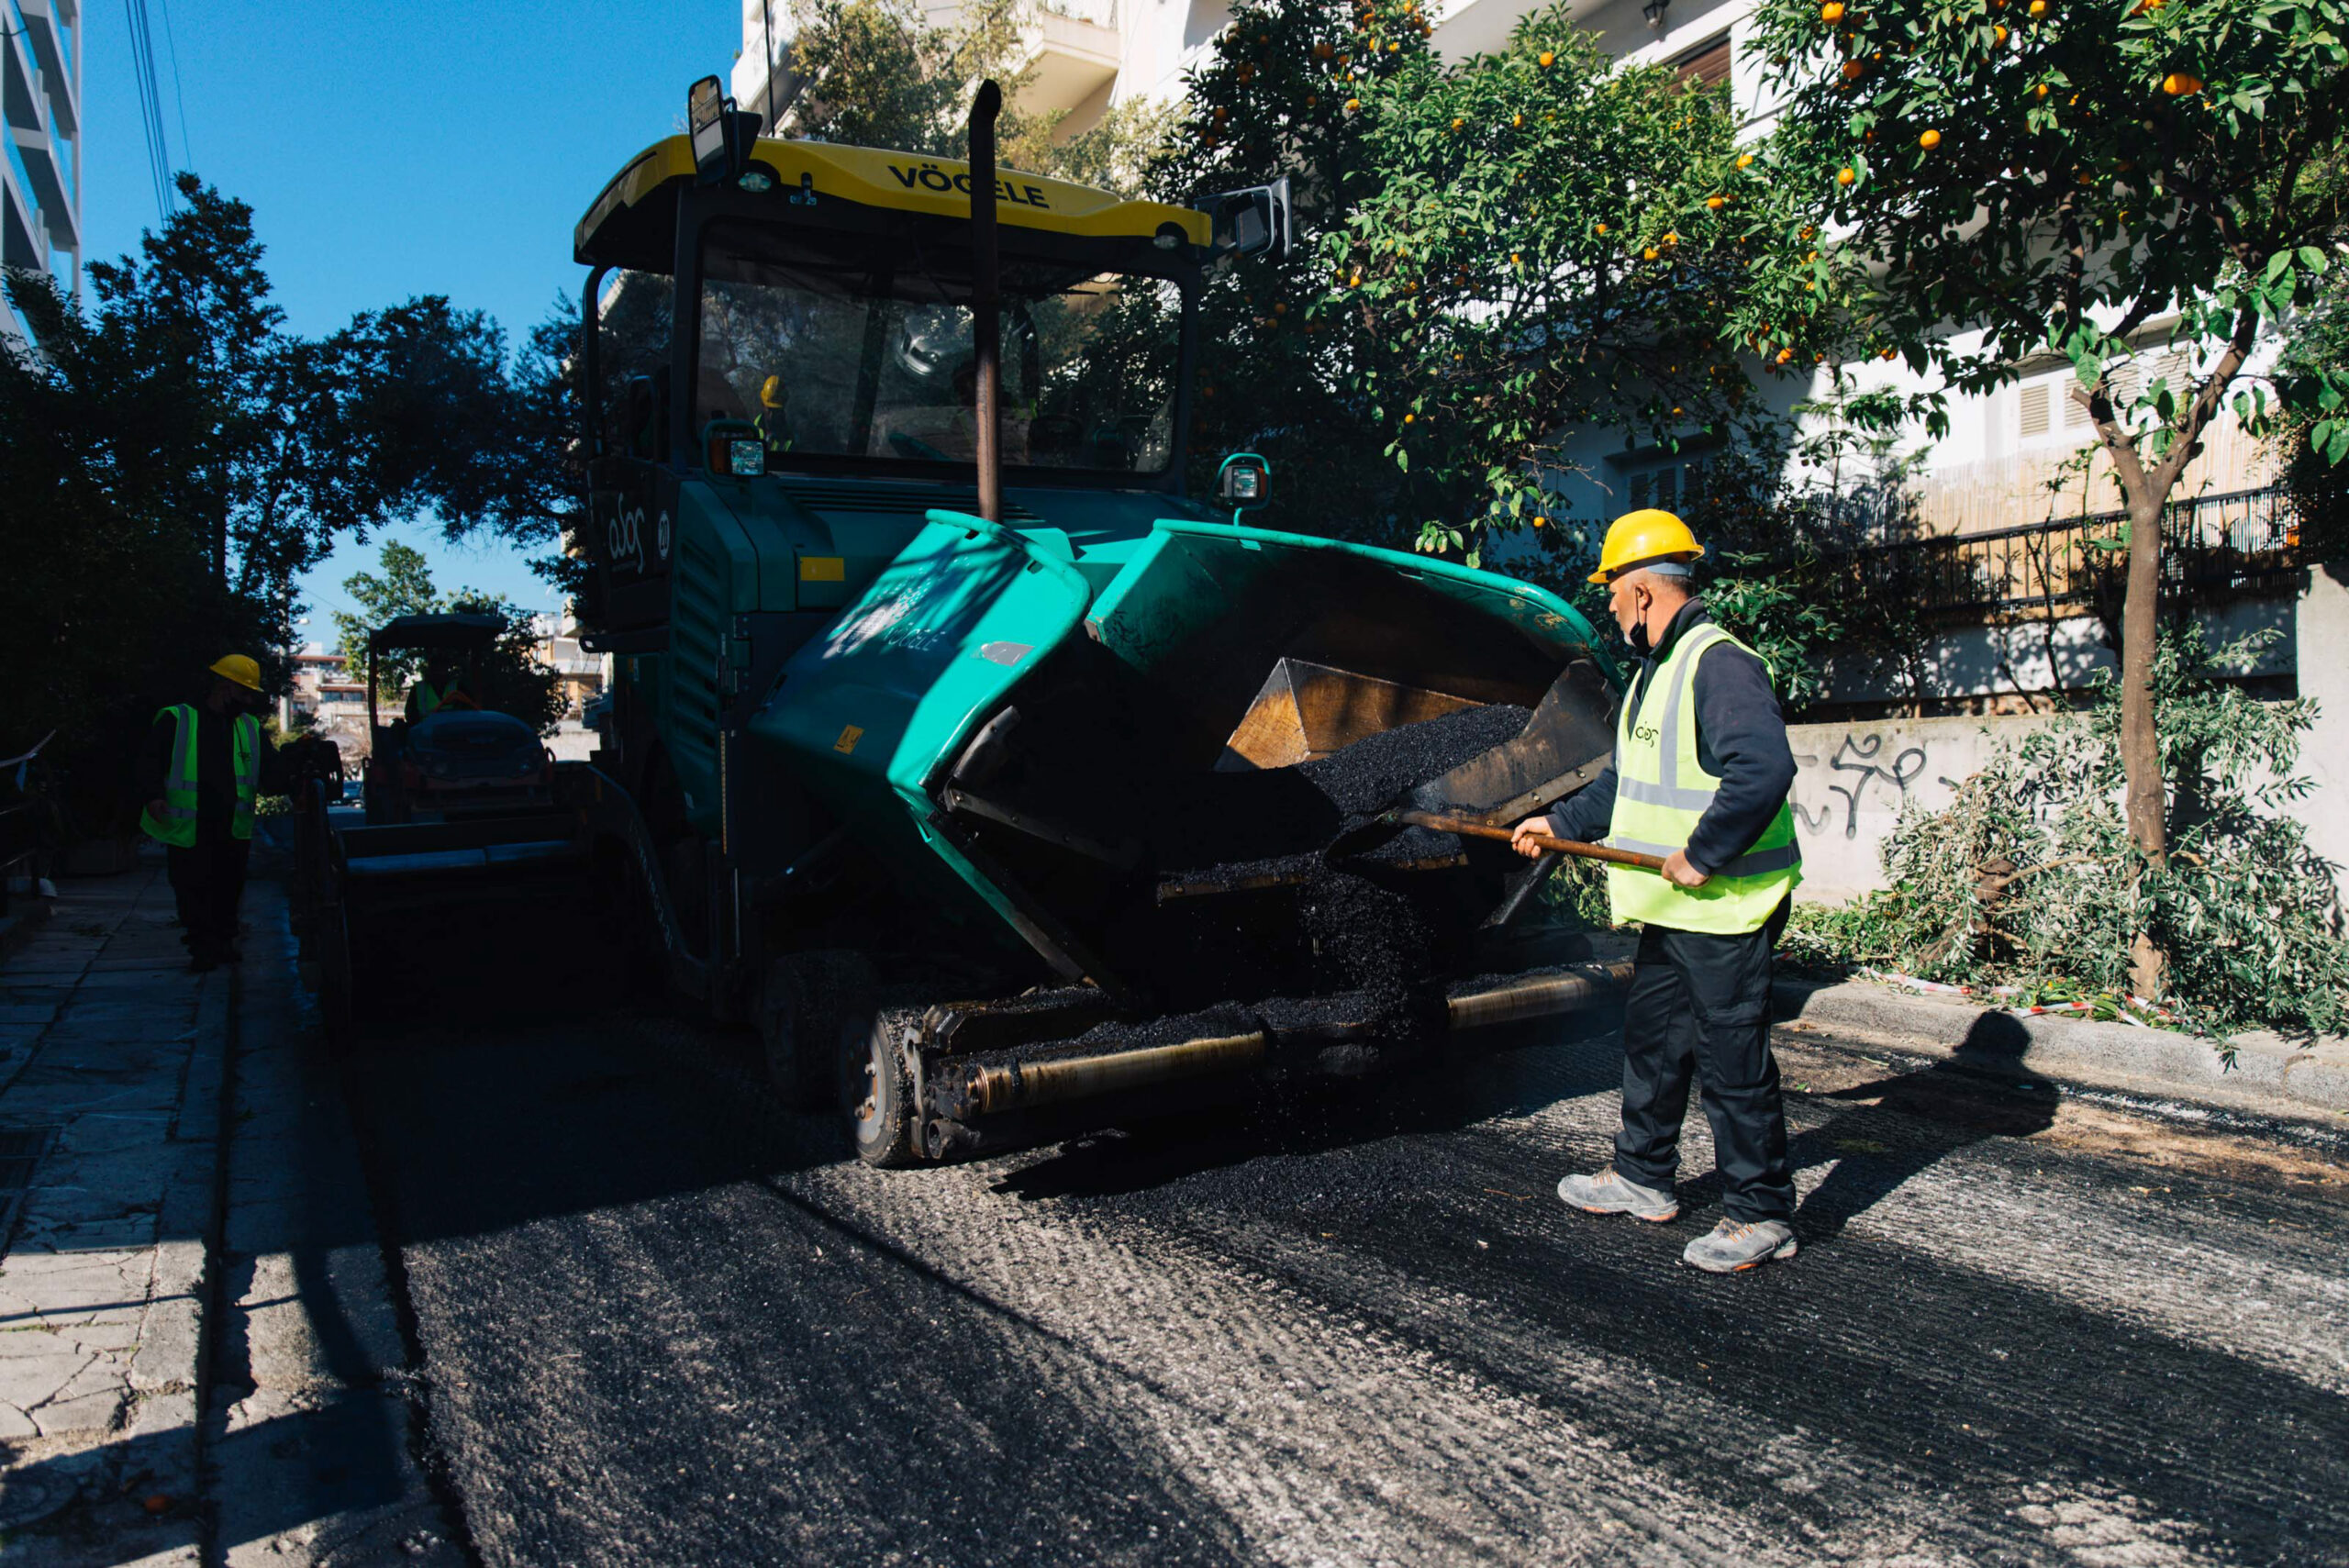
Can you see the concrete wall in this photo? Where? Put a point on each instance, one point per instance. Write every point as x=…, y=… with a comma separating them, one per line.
x=1852, y=780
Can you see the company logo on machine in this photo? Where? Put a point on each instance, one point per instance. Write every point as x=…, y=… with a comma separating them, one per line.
x=661, y=537
x=624, y=538
x=891, y=619
x=1005, y=653
x=938, y=182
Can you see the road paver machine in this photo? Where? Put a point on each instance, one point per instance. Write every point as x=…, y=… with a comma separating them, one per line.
x=954, y=746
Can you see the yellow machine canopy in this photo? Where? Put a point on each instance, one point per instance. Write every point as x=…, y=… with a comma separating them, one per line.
x=633, y=223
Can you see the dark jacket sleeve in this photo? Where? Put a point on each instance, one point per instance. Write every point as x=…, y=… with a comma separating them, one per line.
x=1742, y=740
x=1584, y=816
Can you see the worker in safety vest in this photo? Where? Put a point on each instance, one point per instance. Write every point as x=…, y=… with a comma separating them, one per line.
x=209, y=765
x=1700, y=777
x=775, y=414
x=425, y=697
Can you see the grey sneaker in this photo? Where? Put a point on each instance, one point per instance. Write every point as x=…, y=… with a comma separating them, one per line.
x=1609, y=1193
x=1733, y=1246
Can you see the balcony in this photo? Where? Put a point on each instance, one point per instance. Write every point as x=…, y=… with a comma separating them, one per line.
x=42, y=167
x=19, y=77
x=1076, y=55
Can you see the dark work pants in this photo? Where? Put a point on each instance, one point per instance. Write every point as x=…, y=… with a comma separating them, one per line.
x=1699, y=1007
x=208, y=879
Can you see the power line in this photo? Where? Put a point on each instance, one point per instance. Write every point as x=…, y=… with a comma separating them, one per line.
x=179, y=97
x=142, y=80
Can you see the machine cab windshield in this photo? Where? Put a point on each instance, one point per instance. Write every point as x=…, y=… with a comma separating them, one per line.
x=836, y=347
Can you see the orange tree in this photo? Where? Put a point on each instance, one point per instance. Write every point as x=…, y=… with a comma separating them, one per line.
x=2001, y=179
x=1495, y=255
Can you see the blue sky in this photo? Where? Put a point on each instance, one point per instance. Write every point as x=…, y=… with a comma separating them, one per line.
x=391, y=150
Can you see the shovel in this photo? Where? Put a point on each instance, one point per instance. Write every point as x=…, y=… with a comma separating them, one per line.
x=1378, y=829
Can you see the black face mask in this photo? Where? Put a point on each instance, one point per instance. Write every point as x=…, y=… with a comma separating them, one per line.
x=1642, y=644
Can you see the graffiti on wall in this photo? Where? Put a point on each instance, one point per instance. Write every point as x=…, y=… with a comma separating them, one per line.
x=1854, y=765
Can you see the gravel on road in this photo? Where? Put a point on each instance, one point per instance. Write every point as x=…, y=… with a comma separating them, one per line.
x=660, y=1322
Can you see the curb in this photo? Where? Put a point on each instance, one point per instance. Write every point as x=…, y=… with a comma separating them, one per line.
x=2270, y=1076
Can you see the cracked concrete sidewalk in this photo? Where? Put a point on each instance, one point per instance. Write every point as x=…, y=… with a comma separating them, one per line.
x=108, y=1039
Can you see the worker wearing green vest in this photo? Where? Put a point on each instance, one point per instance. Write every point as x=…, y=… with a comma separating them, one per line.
x=1700, y=777
x=209, y=767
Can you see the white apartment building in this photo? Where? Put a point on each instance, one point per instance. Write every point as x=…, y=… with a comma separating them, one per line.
x=40, y=183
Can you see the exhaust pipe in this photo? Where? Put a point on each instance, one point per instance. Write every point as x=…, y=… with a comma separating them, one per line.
x=987, y=326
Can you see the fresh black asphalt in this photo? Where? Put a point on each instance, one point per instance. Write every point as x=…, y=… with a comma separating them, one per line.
x=657, y=1320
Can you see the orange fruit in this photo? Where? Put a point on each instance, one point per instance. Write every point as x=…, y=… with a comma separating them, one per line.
x=1671, y=238
x=2040, y=89
x=1715, y=203
x=1785, y=354
x=2178, y=84
x=1410, y=418
x=1745, y=161
x=1279, y=308
x=1457, y=122
x=1545, y=59
x=1602, y=228
x=1648, y=254
x=1853, y=70
x=1845, y=175
x=1832, y=12
x=1883, y=353
x=1352, y=103
x=1393, y=47
x=2000, y=34
x=1515, y=120
x=1930, y=140
x=1322, y=51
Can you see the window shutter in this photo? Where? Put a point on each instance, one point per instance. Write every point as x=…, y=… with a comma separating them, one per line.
x=2076, y=413
x=1640, y=485
x=2033, y=409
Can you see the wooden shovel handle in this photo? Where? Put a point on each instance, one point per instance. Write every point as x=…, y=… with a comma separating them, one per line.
x=1557, y=846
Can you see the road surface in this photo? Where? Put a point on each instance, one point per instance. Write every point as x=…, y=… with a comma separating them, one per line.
x=658, y=1321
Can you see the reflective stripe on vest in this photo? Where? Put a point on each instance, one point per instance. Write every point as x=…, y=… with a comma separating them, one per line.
x=176, y=826
x=1662, y=791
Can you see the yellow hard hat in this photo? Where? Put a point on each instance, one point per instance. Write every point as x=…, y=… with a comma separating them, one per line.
x=1638, y=537
x=237, y=668
x=771, y=394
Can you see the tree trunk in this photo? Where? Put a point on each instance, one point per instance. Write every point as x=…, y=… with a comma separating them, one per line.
x=2141, y=756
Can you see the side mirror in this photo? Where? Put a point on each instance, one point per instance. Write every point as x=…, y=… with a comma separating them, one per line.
x=1253, y=222
x=709, y=121
x=1245, y=481
x=734, y=448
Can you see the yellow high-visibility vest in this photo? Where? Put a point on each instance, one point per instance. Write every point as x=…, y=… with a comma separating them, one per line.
x=1662, y=791
x=177, y=824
